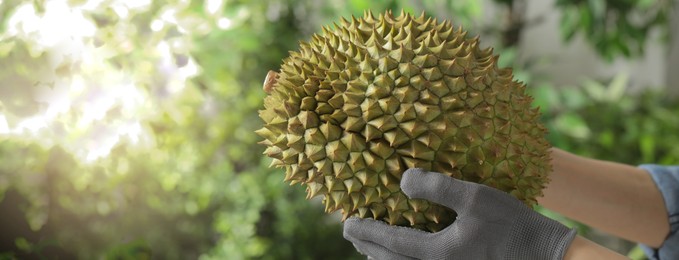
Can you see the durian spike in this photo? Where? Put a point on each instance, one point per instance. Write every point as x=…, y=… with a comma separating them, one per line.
x=270, y=81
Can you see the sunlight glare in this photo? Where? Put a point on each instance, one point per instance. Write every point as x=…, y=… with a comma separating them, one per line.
x=101, y=147
x=92, y=5
x=133, y=131
x=121, y=11
x=57, y=99
x=92, y=105
x=23, y=19
x=189, y=70
x=224, y=23
x=136, y=4
x=170, y=16
x=157, y=25
x=4, y=127
x=32, y=124
x=58, y=24
x=213, y=6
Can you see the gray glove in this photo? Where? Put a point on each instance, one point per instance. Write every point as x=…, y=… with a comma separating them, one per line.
x=490, y=224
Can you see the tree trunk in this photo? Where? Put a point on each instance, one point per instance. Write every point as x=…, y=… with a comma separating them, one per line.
x=511, y=36
x=672, y=77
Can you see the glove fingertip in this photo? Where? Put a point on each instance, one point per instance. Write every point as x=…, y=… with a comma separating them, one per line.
x=354, y=226
x=432, y=186
x=410, y=181
x=350, y=225
x=418, y=183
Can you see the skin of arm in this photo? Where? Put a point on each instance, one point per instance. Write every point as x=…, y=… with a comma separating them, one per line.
x=581, y=248
x=619, y=199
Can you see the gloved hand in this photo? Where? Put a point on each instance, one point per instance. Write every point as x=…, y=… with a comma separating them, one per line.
x=490, y=224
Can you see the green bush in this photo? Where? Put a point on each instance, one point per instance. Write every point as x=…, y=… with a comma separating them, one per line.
x=130, y=133
x=606, y=122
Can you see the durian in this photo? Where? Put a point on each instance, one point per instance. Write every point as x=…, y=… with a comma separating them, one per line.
x=371, y=97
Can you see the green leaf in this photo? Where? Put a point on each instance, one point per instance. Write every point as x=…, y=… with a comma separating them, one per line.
x=573, y=125
x=545, y=97
x=359, y=5
x=23, y=244
x=597, y=9
x=645, y=4
x=507, y=57
x=607, y=139
x=523, y=76
x=573, y=98
x=637, y=253
x=647, y=146
x=586, y=19
x=616, y=89
x=594, y=89
x=6, y=47
x=622, y=46
x=569, y=23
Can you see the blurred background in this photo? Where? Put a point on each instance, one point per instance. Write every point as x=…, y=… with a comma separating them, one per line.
x=127, y=126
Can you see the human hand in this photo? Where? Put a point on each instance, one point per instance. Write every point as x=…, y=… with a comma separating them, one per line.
x=490, y=224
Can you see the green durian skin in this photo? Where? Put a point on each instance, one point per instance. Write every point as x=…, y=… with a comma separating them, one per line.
x=371, y=97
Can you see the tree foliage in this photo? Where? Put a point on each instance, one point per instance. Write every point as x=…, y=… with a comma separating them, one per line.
x=127, y=128
x=132, y=133
x=613, y=28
